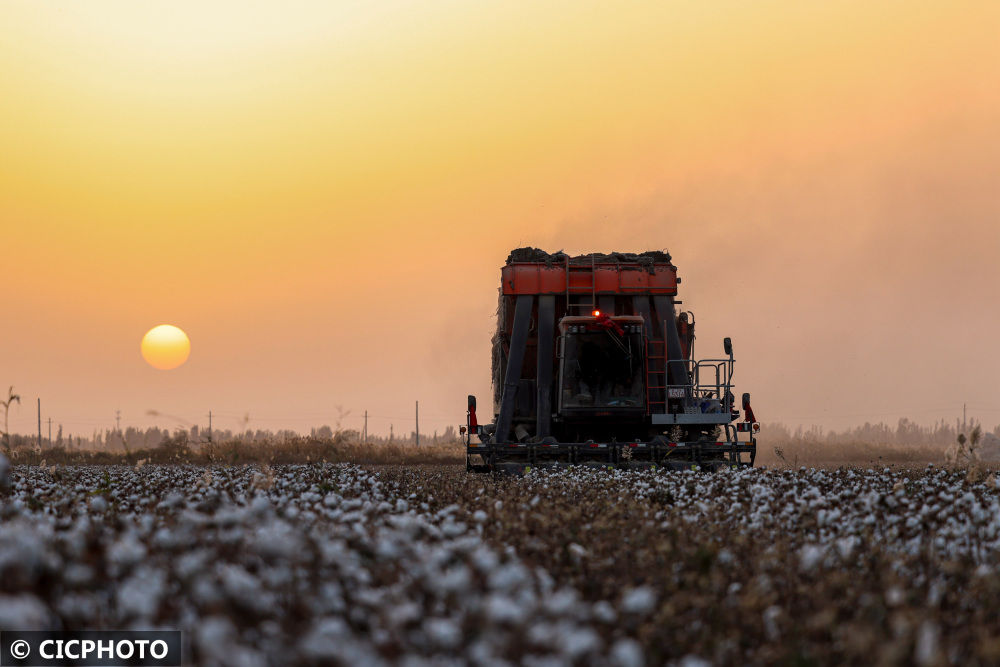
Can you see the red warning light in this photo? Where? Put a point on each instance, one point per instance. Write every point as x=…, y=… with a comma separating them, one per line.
x=597, y=313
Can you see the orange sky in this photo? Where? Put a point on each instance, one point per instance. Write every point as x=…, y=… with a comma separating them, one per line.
x=321, y=195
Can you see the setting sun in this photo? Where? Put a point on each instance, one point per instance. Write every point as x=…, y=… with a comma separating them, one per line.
x=165, y=347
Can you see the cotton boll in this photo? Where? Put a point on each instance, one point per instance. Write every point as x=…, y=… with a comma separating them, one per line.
x=639, y=601
x=24, y=612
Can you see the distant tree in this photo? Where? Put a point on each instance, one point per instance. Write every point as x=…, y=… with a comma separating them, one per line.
x=11, y=398
x=323, y=432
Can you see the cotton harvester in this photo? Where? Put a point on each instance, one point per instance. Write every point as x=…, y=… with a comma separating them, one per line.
x=594, y=365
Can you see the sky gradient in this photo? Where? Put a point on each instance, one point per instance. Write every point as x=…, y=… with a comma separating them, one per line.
x=322, y=194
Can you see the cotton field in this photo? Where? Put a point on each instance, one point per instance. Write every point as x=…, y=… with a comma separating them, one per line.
x=309, y=564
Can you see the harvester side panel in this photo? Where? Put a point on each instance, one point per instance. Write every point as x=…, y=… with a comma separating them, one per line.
x=518, y=343
x=546, y=362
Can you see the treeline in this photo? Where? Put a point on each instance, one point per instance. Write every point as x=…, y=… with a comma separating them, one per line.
x=134, y=439
x=905, y=433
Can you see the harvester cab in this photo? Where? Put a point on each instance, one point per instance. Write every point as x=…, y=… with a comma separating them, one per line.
x=601, y=363
x=592, y=365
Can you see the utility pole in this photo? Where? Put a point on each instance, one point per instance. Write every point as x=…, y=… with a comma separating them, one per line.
x=365, y=439
x=418, y=423
x=963, y=417
x=210, y=426
x=390, y=433
x=118, y=420
x=39, y=423
x=50, y=431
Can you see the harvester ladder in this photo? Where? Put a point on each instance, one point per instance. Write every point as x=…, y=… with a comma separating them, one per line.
x=576, y=288
x=656, y=378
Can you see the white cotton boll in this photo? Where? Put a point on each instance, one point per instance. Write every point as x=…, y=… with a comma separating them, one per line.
x=351, y=504
x=443, y=633
x=80, y=608
x=810, y=556
x=927, y=649
x=542, y=661
x=455, y=580
x=25, y=553
x=140, y=595
x=404, y=614
x=562, y=602
x=502, y=609
x=98, y=504
x=387, y=550
x=481, y=653
x=604, y=612
x=541, y=633
x=172, y=500
x=452, y=529
x=639, y=601
x=508, y=577
x=627, y=653
x=276, y=540
x=577, y=642
x=24, y=612
x=577, y=552
x=895, y=596
x=692, y=660
x=485, y=559
x=191, y=563
x=330, y=598
x=125, y=553
x=244, y=589
x=260, y=505
x=546, y=584
x=214, y=637
x=845, y=546
x=78, y=574
x=771, y=628
x=407, y=524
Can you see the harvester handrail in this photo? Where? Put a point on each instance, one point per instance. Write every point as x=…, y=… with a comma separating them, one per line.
x=721, y=387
